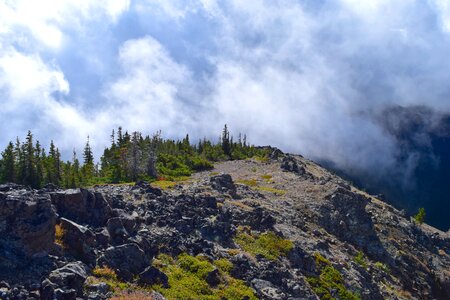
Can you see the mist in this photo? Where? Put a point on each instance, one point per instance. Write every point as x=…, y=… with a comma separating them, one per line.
x=312, y=77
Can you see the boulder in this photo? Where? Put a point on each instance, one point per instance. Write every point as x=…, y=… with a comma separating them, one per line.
x=289, y=164
x=27, y=223
x=82, y=206
x=151, y=276
x=69, y=277
x=129, y=260
x=78, y=240
x=213, y=277
x=267, y=290
x=224, y=184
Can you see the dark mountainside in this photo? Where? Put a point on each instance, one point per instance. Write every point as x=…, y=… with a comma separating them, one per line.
x=423, y=175
x=277, y=227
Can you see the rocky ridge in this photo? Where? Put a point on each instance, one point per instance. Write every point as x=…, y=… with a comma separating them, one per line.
x=317, y=235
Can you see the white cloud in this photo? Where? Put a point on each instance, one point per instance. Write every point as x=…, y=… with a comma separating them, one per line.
x=146, y=95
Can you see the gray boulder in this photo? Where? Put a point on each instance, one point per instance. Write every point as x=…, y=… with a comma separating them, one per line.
x=78, y=240
x=224, y=184
x=128, y=260
x=82, y=206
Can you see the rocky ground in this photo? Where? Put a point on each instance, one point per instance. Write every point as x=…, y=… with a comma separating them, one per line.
x=284, y=228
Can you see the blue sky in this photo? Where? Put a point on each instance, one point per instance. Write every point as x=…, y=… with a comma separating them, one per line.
x=308, y=76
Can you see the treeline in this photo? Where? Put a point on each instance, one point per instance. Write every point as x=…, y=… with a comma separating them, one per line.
x=129, y=157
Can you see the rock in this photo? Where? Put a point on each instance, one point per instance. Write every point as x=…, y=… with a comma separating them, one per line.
x=289, y=164
x=47, y=290
x=266, y=290
x=61, y=294
x=82, y=206
x=224, y=184
x=275, y=154
x=10, y=187
x=151, y=276
x=78, y=240
x=213, y=277
x=128, y=260
x=243, y=268
x=101, y=288
x=27, y=223
x=71, y=276
x=117, y=231
x=102, y=238
x=147, y=188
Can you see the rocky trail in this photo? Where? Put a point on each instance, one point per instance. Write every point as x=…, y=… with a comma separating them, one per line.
x=282, y=228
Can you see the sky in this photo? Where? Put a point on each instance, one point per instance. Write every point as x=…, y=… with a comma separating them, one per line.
x=310, y=77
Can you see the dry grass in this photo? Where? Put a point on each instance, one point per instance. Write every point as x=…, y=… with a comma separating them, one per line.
x=248, y=182
x=233, y=252
x=59, y=234
x=240, y=204
x=105, y=272
x=136, y=295
x=271, y=190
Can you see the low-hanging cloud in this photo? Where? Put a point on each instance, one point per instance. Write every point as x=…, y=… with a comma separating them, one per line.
x=308, y=76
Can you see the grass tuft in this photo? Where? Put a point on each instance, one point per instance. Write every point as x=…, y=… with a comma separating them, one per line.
x=267, y=244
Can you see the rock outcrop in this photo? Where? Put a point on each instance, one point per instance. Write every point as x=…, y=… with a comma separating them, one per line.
x=284, y=229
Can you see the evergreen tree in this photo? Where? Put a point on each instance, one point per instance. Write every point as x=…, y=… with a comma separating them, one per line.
x=226, y=144
x=7, y=170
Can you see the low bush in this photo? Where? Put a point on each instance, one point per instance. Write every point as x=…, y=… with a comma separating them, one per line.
x=267, y=244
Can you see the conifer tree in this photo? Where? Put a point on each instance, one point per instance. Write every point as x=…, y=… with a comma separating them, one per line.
x=7, y=171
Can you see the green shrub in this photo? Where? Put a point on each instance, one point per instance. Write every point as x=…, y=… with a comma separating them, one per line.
x=186, y=276
x=224, y=265
x=267, y=244
x=329, y=281
x=420, y=216
x=360, y=259
x=382, y=267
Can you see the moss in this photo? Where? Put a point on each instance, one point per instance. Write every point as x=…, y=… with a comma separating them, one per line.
x=224, y=265
x=271, y=190
x=360, y=259
x=329, y=284
x=248, y=182
x=267, y=244
x=186, y=275
x=195, y=265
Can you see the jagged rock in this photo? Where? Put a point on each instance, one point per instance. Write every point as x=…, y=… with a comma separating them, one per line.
x=82, y=206
x=213, y=277
x=78, y=240
x=27, y=223
x=289, y=164
x=61, y=294
x=275, y=154
x=128, y=260
x=224, y=184
x=266, y=290
x=147, y=188
x=117, y=231
x=243, y=267
x=70, y=277
x=151, y=276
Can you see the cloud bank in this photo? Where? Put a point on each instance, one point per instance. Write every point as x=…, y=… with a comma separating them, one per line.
x=310, y=77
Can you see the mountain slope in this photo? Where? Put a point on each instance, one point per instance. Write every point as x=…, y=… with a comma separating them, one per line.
x=284, y=228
